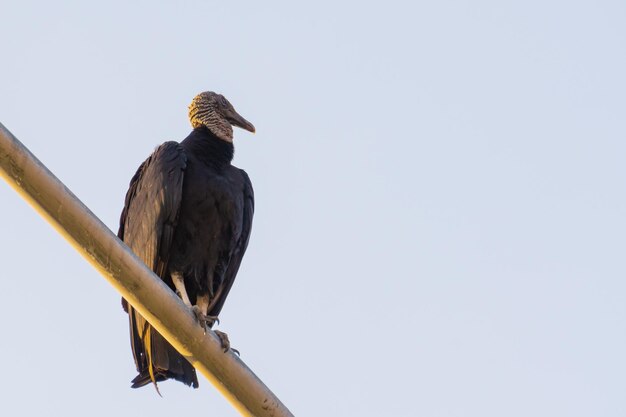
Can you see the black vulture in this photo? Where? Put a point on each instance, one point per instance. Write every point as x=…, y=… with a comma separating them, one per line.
x=187, y=215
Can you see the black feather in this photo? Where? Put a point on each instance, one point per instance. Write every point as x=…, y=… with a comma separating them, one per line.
x=187, y=210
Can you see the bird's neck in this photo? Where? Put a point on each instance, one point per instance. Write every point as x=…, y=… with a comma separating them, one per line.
x=209, y=148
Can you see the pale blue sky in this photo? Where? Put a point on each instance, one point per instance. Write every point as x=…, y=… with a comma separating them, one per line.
x=439, y=226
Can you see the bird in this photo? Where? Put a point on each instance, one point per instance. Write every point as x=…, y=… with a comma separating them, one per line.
x=188, y=215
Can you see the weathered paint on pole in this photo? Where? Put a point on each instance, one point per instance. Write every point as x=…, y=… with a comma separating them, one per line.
x=134, y=281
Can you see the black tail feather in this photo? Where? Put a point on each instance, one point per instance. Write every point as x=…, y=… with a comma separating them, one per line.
x=155, y=358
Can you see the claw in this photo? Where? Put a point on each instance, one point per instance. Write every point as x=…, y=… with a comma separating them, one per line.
x=205, y=321
x=225, y=342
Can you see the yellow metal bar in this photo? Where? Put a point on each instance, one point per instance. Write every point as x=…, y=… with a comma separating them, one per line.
x=134, y=281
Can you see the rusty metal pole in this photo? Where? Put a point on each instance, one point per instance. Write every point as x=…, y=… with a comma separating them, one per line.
x=134, y=281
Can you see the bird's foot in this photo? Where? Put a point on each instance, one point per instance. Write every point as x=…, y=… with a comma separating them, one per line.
x=204, y=320
x=225, y=342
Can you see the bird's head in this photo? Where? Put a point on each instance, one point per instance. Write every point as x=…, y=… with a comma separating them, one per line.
x=217, y=114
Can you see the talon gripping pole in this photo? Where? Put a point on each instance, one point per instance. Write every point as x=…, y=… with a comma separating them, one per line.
x=134, y=281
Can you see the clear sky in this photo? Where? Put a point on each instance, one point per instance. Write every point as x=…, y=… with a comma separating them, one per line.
x=439, y=226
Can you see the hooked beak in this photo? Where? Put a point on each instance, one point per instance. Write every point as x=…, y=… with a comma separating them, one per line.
x=235, y=119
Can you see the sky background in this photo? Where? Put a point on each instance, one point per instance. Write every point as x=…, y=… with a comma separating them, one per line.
x=439, y=225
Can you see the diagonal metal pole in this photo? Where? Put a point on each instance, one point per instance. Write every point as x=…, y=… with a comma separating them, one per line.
x=134, y=281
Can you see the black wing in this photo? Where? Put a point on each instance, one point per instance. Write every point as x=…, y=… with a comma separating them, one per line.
x=147, y=226
x=152, y=204
x=238, y=252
